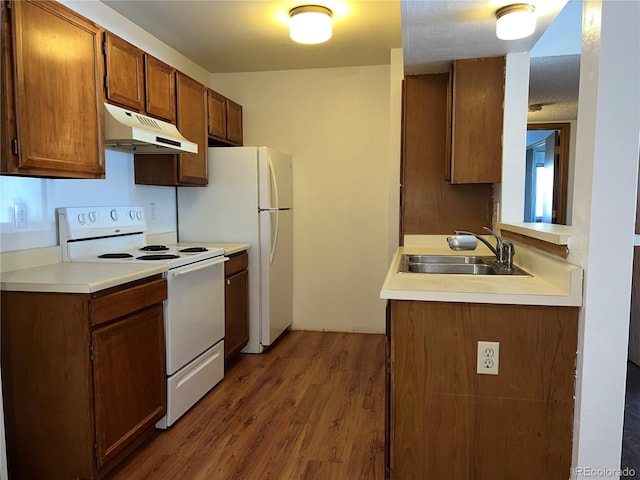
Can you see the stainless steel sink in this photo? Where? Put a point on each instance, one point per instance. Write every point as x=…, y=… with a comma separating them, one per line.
x=457, y=259
x=455, y=264
x=468, y=269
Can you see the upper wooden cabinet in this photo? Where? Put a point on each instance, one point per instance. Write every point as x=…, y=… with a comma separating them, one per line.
x=429, y=204
x=475, y=120
x=138, y=81
x=124, y=82
x=186, y=168
x=234, y=122
x=160, y=89
x=217, y=115
x=192, y=123
x=52, y=92
x=225, y=119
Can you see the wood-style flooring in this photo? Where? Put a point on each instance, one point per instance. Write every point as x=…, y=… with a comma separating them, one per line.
x=631, y=430
x=311, y=407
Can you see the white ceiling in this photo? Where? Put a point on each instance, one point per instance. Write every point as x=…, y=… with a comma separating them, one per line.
x=252, y=35
x=435, y=32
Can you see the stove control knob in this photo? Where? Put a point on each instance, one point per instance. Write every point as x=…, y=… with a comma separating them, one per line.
x=132, y=214
x=114, y=214
x=92, y=217
x=139, y=215
x=81, y=219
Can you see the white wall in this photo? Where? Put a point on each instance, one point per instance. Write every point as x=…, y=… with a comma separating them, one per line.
x=42, y=196
x=604, y=204
x=395, y=146
x=335, y=122
x=509, y=195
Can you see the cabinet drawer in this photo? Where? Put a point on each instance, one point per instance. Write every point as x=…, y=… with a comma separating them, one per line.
x=128, y=300
x=236, y=263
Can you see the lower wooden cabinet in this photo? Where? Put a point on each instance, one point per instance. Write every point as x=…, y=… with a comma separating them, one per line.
x=447, y=421
x=125, y=358
x=83, y=378
x=236, y=327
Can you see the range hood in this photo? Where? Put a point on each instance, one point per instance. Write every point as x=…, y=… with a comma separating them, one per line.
x=135, y=133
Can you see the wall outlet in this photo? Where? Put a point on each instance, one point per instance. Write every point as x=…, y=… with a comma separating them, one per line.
x=152, y=211
x=488, y=358
x=20, y=215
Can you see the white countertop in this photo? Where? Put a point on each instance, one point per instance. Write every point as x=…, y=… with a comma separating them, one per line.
x=229, y=248
x=68, y=277
x=553, y=281
x=41, y=270
x=548, y=232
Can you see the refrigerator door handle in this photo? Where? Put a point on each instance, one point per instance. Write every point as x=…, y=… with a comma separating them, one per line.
x=274, y=241
x=273, y=184
x=274, y=189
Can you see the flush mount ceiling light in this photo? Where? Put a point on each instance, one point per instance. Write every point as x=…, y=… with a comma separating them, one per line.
x=515, y=21
x=310, y=24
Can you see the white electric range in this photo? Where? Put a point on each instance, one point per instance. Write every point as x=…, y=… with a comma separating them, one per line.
x=194, y=309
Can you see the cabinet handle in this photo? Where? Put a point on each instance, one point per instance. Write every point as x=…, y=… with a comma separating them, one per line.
x=200, y=265
x=228, y=282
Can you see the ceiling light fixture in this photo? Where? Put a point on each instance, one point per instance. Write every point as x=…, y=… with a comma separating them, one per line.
x=515, y=21
x=310, y=24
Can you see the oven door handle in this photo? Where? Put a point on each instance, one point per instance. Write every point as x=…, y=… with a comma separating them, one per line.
x=200, y=266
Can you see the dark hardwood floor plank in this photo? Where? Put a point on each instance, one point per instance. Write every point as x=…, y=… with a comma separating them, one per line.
x=631, y=429
x=310, y=407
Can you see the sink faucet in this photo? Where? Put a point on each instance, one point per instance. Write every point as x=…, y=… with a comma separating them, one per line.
x=504, y=249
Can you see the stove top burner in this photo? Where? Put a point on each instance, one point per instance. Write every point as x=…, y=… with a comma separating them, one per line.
x=194, y=250
x=115, y=255
x=154, y=248
x=158, y=257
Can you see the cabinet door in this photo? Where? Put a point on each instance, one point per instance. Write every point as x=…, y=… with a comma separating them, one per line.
x=217, y=115
x=125, y=74
x=47, y=385
x=129, y=380
x=192, y=123
x=448, y=126
x=236, y=313
x=447, y=421
x=234, y=122
x=477, y=120
x=429, y=204
x=160, y=89
x=58, y=103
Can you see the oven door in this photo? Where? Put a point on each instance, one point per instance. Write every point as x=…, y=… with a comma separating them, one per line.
x=194, y=313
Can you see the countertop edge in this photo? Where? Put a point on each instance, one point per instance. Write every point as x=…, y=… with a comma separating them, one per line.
x=553, y=282
x=469, y=297
x=68, y=277
x=547, y=232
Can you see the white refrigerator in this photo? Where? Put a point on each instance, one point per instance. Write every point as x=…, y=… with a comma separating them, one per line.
x=249, y=200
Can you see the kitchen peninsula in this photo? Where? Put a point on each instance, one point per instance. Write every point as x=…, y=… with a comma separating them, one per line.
x=449, y=419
